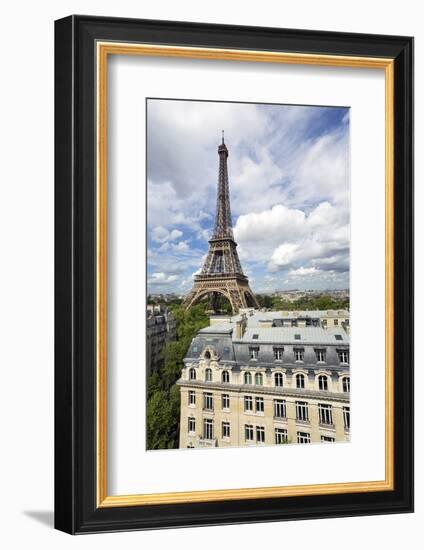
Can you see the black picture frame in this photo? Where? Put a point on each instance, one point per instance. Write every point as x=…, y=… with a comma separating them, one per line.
x=76, y=510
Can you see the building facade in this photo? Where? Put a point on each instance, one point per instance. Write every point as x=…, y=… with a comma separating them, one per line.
x=161, y=327
x=247, y=381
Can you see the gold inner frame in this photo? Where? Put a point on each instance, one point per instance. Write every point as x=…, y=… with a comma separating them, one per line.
x=104, y=49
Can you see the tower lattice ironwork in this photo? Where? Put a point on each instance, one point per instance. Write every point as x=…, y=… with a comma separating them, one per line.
x=222, y=273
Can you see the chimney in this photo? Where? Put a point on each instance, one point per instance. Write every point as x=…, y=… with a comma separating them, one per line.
x=241, y=326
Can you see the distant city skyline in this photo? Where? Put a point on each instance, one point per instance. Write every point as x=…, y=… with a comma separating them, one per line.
x=289, y=188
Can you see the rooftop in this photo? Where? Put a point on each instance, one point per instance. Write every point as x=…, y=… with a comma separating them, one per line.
x=255, y=332
x=295, y=335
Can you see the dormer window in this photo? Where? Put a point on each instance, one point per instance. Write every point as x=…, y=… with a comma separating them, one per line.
x=343, y=356
x=192, y=374
x=278, y=354
x=321, y=355
x=299, y=354
x=208, y=375
x=254, y=352
x=225, y=377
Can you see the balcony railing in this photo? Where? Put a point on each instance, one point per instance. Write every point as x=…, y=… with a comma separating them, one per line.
x=207, y=442
x=326, y=426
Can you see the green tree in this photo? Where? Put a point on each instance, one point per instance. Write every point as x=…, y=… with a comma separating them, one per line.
x=264, y=300
x=163, y=395
x=159, y=421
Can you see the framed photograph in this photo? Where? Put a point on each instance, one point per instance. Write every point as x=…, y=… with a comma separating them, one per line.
x=234, y=274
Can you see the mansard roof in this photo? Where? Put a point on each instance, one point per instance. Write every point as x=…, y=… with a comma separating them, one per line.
x=233, y=347
x=295, y=336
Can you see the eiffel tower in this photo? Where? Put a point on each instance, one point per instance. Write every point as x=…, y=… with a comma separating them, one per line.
x=222, y=273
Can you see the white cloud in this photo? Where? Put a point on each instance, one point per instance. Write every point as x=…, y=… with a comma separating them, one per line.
x=161, y=234
x=289, y=186
x=161, y=278
x=311, y=276
x=278, y=223
x=284, y=255
x=286, y=238
x=164, y=247
x=182, y=246
x=303, y=272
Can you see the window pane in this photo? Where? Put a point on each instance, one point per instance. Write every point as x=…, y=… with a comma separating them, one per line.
x=280, y=436
x=279, y=408
x=278, y=379
x=302, y=412
x=303, y=437
x=346, y=384
x=300, y=381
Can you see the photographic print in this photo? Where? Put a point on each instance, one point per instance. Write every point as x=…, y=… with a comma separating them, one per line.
x=248, y=247
x=210, y=234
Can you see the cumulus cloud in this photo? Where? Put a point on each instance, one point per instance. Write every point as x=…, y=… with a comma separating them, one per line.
x=161, y=234
x=161, y=278
x=285, y=238
x=182, y=246
x=303, y=272
x=289, y=187
x=276, y=223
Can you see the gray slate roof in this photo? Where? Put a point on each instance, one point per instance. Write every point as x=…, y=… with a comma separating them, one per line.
x=230, y=349
x=286, y=335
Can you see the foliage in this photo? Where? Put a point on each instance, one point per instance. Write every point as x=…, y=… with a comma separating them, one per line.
x=222, y=304
x=264, y=300
x=163, y=395
x=322, y=302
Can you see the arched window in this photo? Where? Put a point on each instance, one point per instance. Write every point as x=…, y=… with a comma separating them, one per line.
x=225, y=377
x=208, y=375
x=323, y=382
x=192, y=374
x=247, y=377
x=278, y=378
x=300, y=381
x=259, y=379
x=207, y=354
x=346, y=384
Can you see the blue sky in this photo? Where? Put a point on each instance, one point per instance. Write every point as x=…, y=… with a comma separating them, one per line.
x=289, y=188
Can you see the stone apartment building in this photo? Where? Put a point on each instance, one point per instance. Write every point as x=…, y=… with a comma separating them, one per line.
x=252, y=379
x=161, y=327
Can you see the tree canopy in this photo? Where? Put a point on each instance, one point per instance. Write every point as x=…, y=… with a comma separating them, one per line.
x=163, y=395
